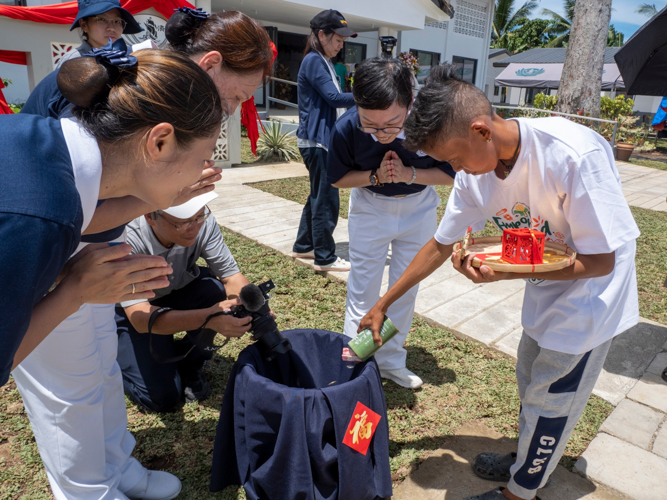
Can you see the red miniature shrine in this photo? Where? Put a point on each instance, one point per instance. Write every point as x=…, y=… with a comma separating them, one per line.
x=523, y=246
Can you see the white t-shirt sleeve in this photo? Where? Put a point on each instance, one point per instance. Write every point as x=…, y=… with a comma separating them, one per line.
x=594, y=206
x=461, y=212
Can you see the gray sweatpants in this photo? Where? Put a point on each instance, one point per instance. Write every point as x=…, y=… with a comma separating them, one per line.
x=554, y=388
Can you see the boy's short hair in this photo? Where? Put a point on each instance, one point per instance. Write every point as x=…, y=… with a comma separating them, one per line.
x=443, y=109
x=379, y=82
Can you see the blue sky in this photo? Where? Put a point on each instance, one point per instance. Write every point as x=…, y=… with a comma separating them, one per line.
x=623, y=17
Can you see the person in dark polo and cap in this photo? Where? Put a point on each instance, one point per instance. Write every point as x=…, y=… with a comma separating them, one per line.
x=321, y=102
x=98, y=21
x=181, y=235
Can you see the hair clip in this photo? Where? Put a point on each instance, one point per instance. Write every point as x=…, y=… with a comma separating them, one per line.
x=115, y=54
x=199, y=13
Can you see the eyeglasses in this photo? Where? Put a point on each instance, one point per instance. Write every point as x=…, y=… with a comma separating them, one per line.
x=110, y=23
x=386, y=130
x=188, y=224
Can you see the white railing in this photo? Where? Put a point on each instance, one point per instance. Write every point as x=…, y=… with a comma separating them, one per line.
x=546, y=112
x=268, y=99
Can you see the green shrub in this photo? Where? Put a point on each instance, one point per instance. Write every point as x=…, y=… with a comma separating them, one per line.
x=276, y=145
x=543, y=101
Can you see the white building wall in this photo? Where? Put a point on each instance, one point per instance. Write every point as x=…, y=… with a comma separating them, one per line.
x=491, y=74
x=468, y=35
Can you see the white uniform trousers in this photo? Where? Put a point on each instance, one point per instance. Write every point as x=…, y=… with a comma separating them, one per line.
x=72, y=389
x=375, y=222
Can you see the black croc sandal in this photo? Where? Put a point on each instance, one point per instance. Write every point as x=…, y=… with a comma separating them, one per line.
x=664, y=374
x=495, y=467
x=496, y=494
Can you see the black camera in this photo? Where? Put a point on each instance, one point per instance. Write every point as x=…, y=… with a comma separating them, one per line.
x=388, y=43
x=255, y=303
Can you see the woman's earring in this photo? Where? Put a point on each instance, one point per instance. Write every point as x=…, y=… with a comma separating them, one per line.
x=84, y=37
x=488, y=140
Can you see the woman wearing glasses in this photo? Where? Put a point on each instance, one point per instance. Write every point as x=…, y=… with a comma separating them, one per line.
x=158, y=380
x=393, y=201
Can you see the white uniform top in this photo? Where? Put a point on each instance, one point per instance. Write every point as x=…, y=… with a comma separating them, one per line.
x=87, y=166
x=565, y=183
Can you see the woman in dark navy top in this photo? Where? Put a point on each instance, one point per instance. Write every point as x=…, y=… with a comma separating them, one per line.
x=393, y=201
x=143, y=127
x=321, y=102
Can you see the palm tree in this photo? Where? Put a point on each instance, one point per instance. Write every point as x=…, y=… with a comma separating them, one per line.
x=560, y=26
x=506, y=18
x=614, y=38
x=647, y=9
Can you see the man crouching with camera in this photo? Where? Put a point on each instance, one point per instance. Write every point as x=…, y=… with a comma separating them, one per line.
x=158, y=369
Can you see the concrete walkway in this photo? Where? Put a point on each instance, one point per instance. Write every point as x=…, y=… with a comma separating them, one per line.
x=491, y=314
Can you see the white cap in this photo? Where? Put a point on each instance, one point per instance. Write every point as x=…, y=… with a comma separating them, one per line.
x=190, y=208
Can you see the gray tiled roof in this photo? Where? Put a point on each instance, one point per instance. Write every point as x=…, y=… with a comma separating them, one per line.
x=497, y=52
x=546, y=56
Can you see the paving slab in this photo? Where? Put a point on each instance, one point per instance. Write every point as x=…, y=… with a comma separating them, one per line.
x=651, y=390
x=629, y=356
x=658, y=364
x=509, y=344
x=637, y=473
x=660, y=443
x=495, y=322
x=445, y=474
x=634, y=423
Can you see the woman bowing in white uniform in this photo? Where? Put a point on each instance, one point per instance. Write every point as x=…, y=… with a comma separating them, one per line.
x=142, y=127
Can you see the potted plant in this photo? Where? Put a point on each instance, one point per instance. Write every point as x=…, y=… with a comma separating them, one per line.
x=620, y=109
x=282, y=91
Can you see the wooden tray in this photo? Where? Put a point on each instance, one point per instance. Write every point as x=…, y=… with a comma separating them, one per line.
x=489, y=251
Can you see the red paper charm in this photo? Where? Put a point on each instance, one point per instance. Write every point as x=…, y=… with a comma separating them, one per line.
x=523, y=246
x=363, y=425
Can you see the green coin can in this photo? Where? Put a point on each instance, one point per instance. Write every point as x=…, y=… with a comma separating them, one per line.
x=363, y=345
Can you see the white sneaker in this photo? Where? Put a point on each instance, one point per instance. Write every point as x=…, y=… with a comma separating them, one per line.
x=338, y=265
x=307, y=255
x=403, y=377
x=155, y=485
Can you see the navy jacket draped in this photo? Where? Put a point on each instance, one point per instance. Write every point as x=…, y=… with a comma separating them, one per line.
x=282, y=424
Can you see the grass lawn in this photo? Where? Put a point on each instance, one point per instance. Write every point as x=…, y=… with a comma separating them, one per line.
x=464, y=382
x=660, y=165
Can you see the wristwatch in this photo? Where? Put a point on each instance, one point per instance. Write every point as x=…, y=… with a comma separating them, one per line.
x=375, y=180
x=414, y=175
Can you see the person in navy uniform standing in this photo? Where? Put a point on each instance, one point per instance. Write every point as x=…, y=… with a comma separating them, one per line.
x=321, y=103
x=134, y=131
x=393, y=201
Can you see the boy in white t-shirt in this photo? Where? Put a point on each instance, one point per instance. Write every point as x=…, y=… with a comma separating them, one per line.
x=558, y=177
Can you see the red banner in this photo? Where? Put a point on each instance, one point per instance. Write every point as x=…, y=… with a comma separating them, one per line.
x=4, y=108
x=13, y=57
x=64, y=13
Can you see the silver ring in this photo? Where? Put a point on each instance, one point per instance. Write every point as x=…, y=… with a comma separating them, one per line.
x=133, y=289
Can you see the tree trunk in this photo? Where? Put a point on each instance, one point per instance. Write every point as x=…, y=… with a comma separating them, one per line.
x=581, y=81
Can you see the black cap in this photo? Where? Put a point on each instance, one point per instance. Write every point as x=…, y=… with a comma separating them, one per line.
x=332, y=20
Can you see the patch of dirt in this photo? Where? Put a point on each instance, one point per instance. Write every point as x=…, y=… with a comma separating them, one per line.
x=159, y=463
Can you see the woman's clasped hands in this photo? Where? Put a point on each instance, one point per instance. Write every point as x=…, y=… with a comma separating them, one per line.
x=392, y=169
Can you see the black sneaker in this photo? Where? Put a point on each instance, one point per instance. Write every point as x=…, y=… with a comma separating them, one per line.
x=198, y=389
